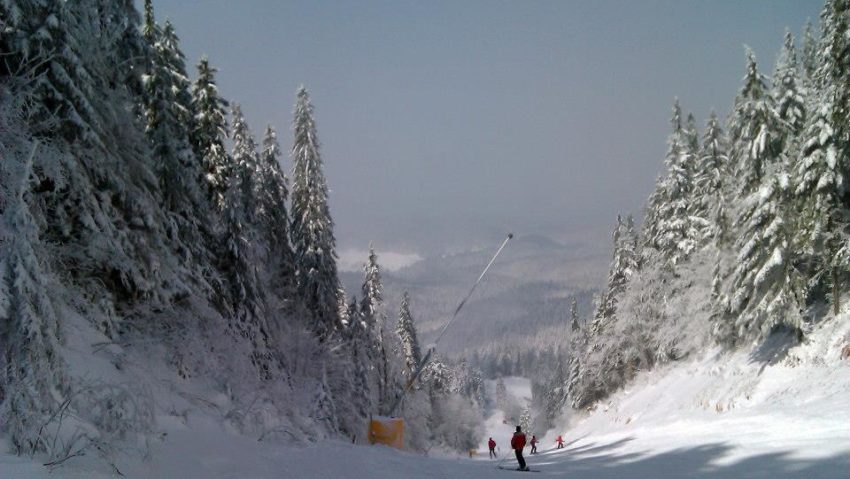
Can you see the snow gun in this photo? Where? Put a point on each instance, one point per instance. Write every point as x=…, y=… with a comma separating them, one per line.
x=433, y=345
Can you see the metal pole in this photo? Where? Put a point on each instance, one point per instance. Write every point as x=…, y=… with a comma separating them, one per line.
x=433, y=346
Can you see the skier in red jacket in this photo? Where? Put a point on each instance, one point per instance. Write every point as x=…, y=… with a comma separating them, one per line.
x=560, y=442
x=492, y=445
x=517, y=443
x=533, y=444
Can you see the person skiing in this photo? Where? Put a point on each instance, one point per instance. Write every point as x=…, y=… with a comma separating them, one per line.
x=492, y=445
x=517, y=444
x=533, y=444
x=560, y=442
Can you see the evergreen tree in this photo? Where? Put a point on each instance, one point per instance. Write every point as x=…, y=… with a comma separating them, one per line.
x=38, y=43
x=406, y=331
x=245, y=161
x=754, y=131
x=788, y=94
x=312, y=236
x=35, y=371
x=372, y=314
x=574, y=325
x=248, y=302
x=209, y=132
x=766, y=285
x=823, y=167
x=167, y=116
x=344, y=318
x=671, y=228
x=272, y=195
x=714, y=177
x=809, y=60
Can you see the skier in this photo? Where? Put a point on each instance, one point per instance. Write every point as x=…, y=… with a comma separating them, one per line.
x=517, y=443
x=560, y=442
x=533, y=444
x=492, y=445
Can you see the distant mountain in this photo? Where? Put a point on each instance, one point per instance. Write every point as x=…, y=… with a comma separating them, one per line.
x=528, y=290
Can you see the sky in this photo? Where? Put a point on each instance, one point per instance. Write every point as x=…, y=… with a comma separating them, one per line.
x=446, y=123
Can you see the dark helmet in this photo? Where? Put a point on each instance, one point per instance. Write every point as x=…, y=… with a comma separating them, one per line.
x=518, y=429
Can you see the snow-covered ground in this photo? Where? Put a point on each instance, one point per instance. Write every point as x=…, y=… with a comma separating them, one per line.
x=719, y=416
x=496, y=424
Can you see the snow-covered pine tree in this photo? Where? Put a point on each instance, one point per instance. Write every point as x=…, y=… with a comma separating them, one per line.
x=406, y=331
x=525, y=418
x=672, y=229
x=360, y=343
x=168, y=118
x=713, y=194
x=245, y=160
x=371, y=306
x=38, y=43
x=753, y=131
x=691, y=133
x=34, y=375
x=247, y=299
x=209, y=131
x=623, y=265
x=788, y=93
x=313, y=242
x=344, y=318
x=809, y=60
x=374, y=316
x=272, y=195
x=712, y=183
x=822, y=170
x=766, y=287
x=574, y=324
x=616, y=281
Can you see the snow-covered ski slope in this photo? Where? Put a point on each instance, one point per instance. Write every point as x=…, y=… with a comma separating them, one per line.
x=761, y=415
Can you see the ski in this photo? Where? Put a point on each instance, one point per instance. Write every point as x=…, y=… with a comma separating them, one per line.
x=517, y=470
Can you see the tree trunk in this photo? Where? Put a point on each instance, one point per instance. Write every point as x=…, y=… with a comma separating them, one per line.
x=836, y=300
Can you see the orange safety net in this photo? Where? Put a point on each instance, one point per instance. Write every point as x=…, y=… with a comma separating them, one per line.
x=388, y=431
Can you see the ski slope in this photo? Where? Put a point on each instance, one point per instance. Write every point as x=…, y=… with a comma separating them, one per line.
x=760, y=415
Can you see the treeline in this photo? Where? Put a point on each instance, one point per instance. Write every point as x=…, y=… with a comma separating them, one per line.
x=745, y=235
x=129, y=227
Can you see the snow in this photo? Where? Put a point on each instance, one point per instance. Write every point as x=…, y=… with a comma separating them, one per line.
x=776, y=413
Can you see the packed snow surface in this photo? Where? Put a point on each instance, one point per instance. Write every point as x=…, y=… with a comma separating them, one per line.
x=774, y=413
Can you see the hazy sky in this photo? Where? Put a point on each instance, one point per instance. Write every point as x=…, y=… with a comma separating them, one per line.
x=448, y=122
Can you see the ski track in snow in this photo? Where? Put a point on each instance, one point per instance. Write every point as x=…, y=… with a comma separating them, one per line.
x=711, y=418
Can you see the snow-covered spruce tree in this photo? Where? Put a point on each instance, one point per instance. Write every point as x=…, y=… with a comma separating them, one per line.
x=313, y=242
x=754, y=132
x=671, y=228
x=209, y=131
x=574, y=325
x=623, y=265
x=247, y=299
x=711, y=185
x=713, y=193
x=691, y=134
x=809, y=60
x=273, y=223
x=383, y=337
x=34, y=375
x=406, y=331
x=342, y=308
x=822, y=170
x=168, y=118
x=245, y=160
x=38, y=41
x=766, y=287
x=788, y=93
x=362, y=360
